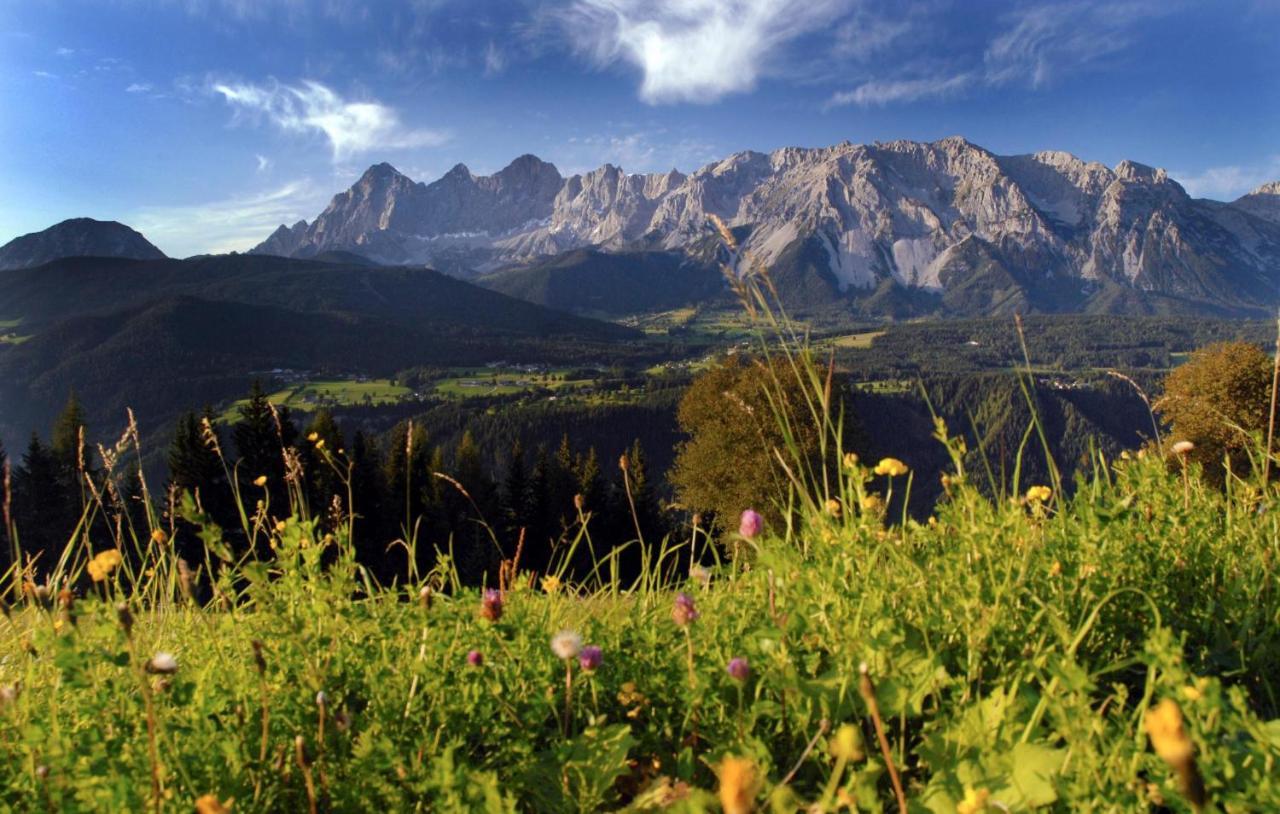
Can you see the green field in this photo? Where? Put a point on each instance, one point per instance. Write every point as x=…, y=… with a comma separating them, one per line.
x=465, y=383
x=860, y=341
x=309, y=396
x=8, y=336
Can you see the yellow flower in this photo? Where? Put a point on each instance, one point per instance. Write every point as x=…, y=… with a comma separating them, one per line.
x=1039, y=494
x=975, y=800
x=261, y=480
x=210, y=804
x=313, y=437
x=320, y=444
x=872, y=504
x=101, y=566
x=551, y=583
x=891, y=467
x=159, y=537
x=847, y=744
x=739, y=784
x=1168, y=736
x=850, y=460
x=1055, y=569
x=833, y=507
x=281, y=526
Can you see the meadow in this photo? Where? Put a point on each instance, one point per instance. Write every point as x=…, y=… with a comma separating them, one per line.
x=1107, y=645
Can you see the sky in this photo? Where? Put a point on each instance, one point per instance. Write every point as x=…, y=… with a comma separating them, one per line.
x=206, y=123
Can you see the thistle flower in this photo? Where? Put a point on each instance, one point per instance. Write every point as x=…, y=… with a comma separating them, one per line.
x=491, y=605
x=590, y=658
x=751, y=524
x=566, y=644
x=684, y=610
x=1182, y=448
x=1039, y=494
x=739, y=784
x=738, y=668
x=891, y=467
x=475, y=658
x=261, y=480
x=163, y=664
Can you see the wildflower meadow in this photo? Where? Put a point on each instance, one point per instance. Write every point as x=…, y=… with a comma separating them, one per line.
x=1111, y=644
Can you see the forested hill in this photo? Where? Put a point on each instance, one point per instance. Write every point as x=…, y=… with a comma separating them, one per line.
x=164, y=335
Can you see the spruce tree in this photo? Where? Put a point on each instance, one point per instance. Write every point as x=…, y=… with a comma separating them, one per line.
x=40, y=503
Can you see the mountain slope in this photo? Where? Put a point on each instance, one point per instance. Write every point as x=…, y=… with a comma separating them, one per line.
x=165, y=335
x=1057, y=227
x=78, y=237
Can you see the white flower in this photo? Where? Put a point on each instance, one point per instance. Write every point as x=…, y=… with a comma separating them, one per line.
x=163, y=663
x=566, y=644
x=1182, y=447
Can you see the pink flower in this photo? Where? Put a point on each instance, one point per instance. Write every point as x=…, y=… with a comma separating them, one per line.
x=590, y=658
x=475, y=658
x=738, y=668
x=684, y=611
x=491, y=605
x=751, y=524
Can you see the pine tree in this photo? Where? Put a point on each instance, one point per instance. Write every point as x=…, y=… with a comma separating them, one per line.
x=515, y=493
x=324, y=483
x=261, y=437
x=40, y=506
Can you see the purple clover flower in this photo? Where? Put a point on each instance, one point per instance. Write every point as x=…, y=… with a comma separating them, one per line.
x=475, y=658
x=684, y=611
x=491, y=605
x=751, y=524
x=738, y=668
x=590, y=658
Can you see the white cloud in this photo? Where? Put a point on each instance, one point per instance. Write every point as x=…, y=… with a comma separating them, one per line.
x=139, y=87
x=1226, y=183
x=694, y=50
x=44, y=74
x=495, y=61
x=883, y=92
x=65, y=52
x=233, y=224
x=350, y=127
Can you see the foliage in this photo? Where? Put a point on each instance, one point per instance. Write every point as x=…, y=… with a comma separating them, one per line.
x=1218, y=400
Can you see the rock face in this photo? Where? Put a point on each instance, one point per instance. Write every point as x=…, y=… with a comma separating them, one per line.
x=1046, y=230
x=78, y=237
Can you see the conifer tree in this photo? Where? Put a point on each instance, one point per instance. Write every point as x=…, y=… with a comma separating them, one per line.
x=40, y=506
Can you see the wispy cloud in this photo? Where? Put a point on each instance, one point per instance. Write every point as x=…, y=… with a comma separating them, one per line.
x=495, y=61
x=44, y=74
x=883, y=92
x=694, y=50
x=634, y=151
x=233, y=224
x=350, y=127
x=139, y=87
x=1226, y=183
x=64, y=52
x=263, y=162
x=1043, y=41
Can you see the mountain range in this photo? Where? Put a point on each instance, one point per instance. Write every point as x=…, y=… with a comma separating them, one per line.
x=902, y=227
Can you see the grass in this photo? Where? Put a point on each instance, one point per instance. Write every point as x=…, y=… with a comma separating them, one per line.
x=859, y=341
x=477, y=382
x=8, y=336
x=310, y=395
x=1117, y=649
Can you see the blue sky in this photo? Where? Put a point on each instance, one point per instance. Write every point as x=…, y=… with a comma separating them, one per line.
x=205, y=123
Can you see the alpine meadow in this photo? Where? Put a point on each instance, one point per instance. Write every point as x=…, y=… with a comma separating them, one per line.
x=749, y=442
